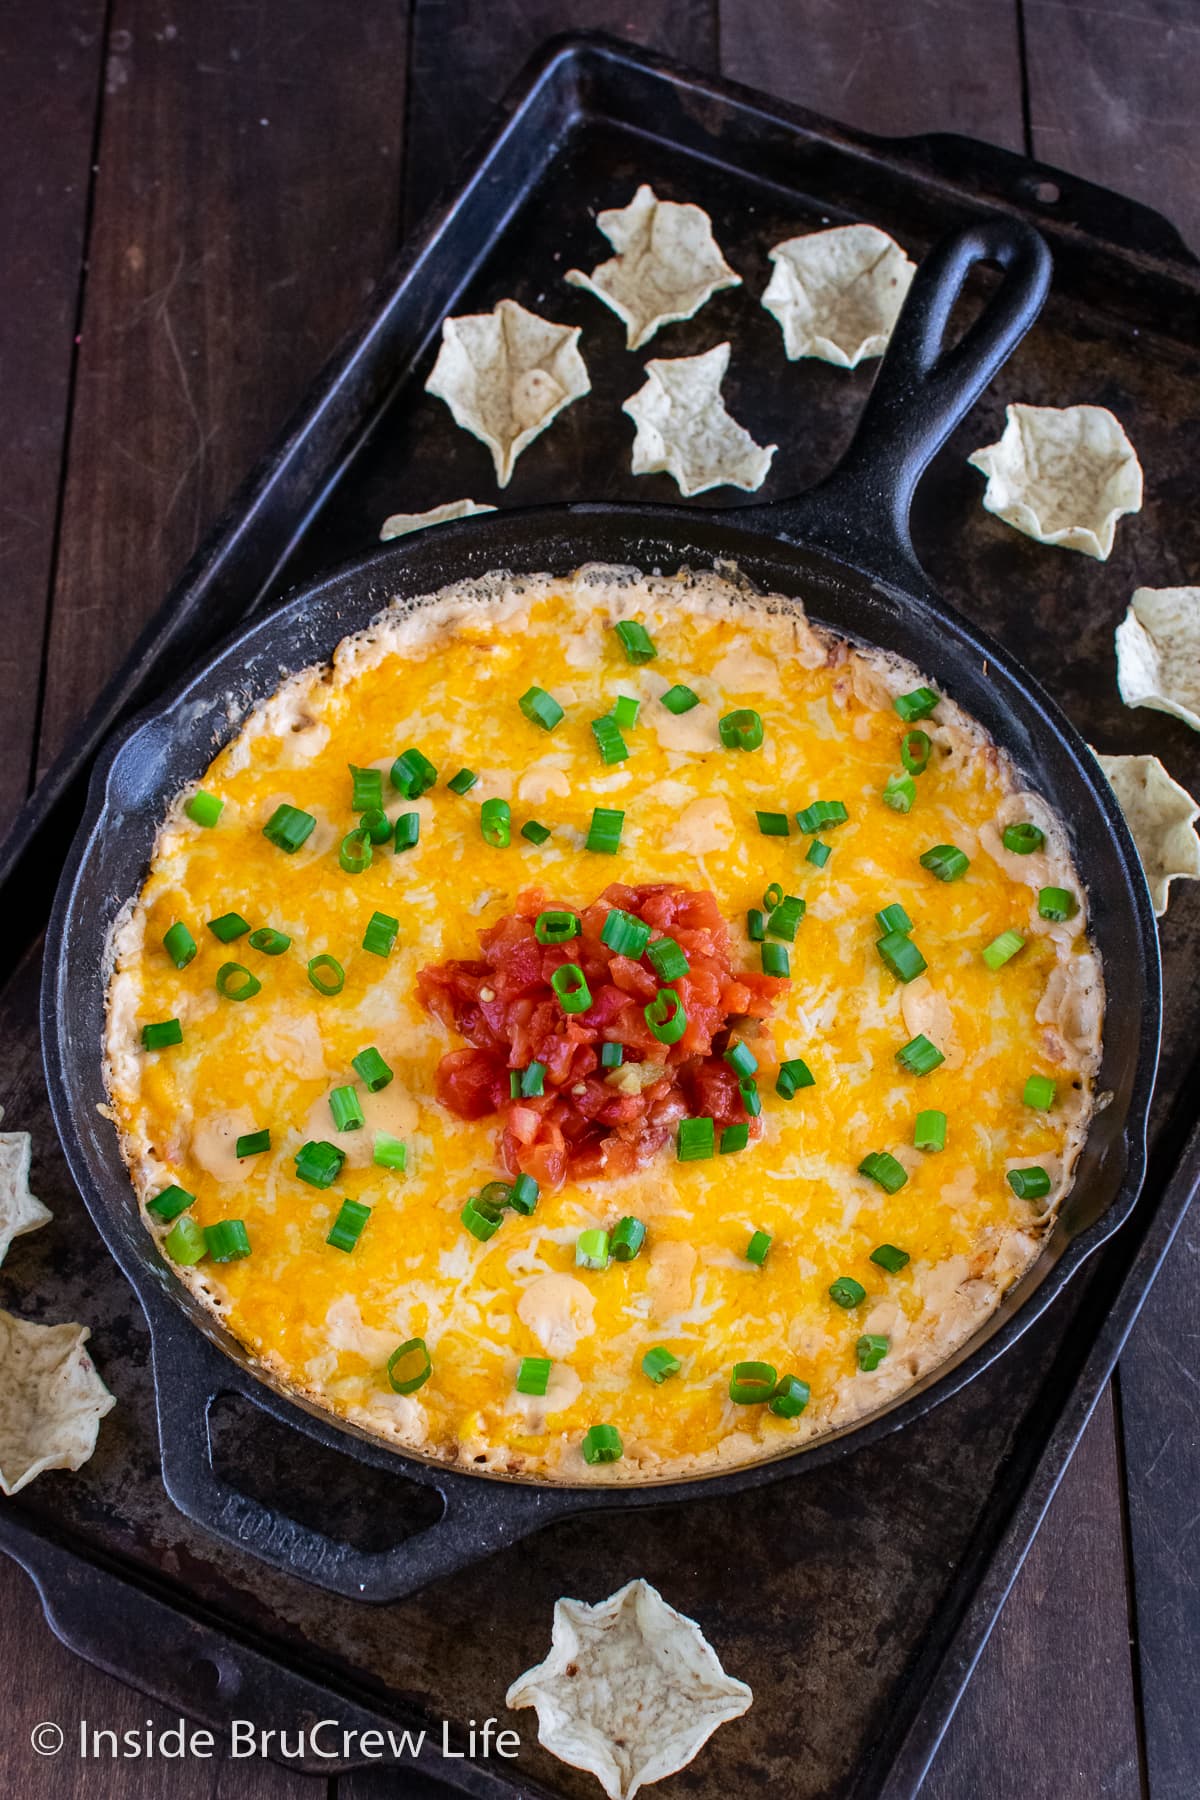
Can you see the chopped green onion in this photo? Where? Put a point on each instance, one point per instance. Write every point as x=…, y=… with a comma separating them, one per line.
x=381, y=933
x=786, y=917
x=253, y=1143
x=847, y=1292
x=893, y=918
x=604, y=832
x=679, y=699
x=871, y=1350
x=1002, y=949
x=696, y=1140
x=227, y=1240
x=540, y=708
x=412, y=774
x=533, y=1080
x=793, y=1075
x=946, y=861
x=919, y=1056
x=204, y=808
x=901, y=956
x=408, y=831
x=667, y=959
x=822, y=815
x=881, y=1166
x=269, y=941
x=524, y=1195
x=319, y=1163
x=915, y=747
x=741, y=1058
x=389, y=1152
x=356, y=852
x=773, y=897
x=628, y=1236
x=610, y=743
x=288, y=827
x=775, y=960
x=534, y=832
x=899, y=792
x=533, y=1374
x=347, y=1227
x=346, y=1110
x=665, y=1016
x=162, y=1035
x=495, y=823
x=756, y=925
x=1057, y=904
x=741, y=730
x=612, y=1056
x=591, y=1250
x=773, y=824
x=734, y=1137
x=376, y=824
x=625, y=711
x=818, y=853
x=886, y=1256
x=463, y=782
x=752, y=1383
x=635, y=640
x=658, y=1363
x=917, y=705
x=185, y=1242
x=555, y=927
x=625, y=934
x=1023, y=839
x=368, y=790
x=929, y=1132
x=235, y=982
x=229, y=926
x=326, y=974
x=372, y=1070
x=179, y=945
x=756, y=1249
x=1032, y=1183
x=168, y=1204
x=409, y=1366
x=602, y=1443
x=481, y=1217
x=751, y=1098
x=1039, y=1092
x=790, y=1397
x=570, y=985
x=514, y=1084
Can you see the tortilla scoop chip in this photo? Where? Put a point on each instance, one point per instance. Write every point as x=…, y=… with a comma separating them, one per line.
x=51, y=1400
x=631, y=1689
x=1063, y=475
x=505, y=375
x=684, y=429
x=667, y=264
x=1158, y=652
x=19, y=1210
x=400, y=524
x=837, y=294
x=1162, y=817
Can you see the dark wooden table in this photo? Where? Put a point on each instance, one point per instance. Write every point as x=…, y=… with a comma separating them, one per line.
x=194, y=204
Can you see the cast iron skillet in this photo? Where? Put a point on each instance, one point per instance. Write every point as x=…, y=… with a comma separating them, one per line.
x=845, y=548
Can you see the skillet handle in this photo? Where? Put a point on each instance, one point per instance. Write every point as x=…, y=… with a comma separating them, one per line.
x=922, y=391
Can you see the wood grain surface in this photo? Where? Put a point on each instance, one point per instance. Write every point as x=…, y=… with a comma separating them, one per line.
x=206, y=196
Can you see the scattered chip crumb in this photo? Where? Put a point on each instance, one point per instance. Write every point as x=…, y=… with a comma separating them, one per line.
x=20, y=1211
x=1162, y=817
x=668, y=264
x=1063, y=475
x=684, y=428
x=837, y=294
x=1158, y=652
x=630, y=1691
x=51, y=1400
x=401, y=524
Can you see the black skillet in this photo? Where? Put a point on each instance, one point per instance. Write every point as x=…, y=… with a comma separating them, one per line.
x=844, y=547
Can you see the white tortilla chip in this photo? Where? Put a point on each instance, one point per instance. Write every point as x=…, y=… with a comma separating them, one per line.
x=631, y=1689
x=1161, y=815
x=505, y=375
x=400, y=524
x=683, y=427
x=667, y=264
x=837, y=294
x=51, y=1400
x=1063, y=475
x=19, y=1210
x=1158, y=652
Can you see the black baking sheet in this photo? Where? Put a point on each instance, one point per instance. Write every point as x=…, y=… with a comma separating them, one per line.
x=852, y=1597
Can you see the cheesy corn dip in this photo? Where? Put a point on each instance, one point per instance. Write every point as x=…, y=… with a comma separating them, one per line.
x=603, y=1028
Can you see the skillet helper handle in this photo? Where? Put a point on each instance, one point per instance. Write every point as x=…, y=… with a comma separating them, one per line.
x=922, y=391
